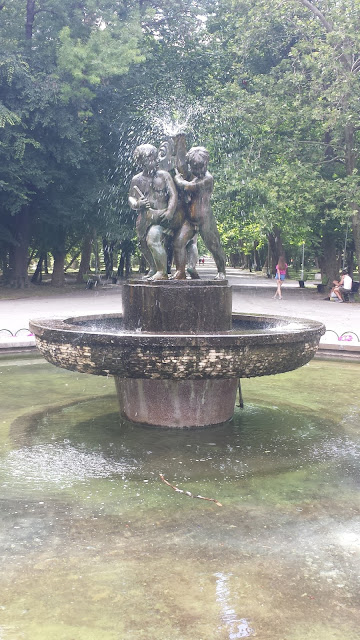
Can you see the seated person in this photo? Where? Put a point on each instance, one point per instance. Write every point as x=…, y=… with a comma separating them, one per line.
x=343, y=286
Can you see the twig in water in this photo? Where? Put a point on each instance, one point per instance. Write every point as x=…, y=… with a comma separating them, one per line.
x=187, y=493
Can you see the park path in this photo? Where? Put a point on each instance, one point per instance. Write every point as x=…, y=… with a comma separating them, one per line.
x=252, y=293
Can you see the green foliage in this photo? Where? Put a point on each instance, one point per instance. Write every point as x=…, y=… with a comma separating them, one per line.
x=271, y=88
x=52, y=114
x=290, y=85
x=7, y=117
x=108, y=52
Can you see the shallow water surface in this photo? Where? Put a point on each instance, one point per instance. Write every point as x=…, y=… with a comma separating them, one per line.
x=95, y=546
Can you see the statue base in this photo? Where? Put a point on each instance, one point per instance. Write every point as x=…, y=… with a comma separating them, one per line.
x=177, y=306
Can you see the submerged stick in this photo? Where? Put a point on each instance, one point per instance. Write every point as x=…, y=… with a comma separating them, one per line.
x=187, y=493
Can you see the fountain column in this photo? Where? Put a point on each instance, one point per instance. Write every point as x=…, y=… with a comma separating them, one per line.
x=191, y=397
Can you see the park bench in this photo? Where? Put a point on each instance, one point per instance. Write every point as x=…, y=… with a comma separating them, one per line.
x=349, y=297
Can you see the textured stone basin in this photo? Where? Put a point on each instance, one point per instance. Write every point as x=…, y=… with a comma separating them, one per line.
x=256, y=345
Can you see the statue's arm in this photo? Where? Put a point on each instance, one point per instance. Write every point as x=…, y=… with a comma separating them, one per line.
x=173, y=198
x=205, y=183
x=186, y=185
x=136, y=198
x=133, y=203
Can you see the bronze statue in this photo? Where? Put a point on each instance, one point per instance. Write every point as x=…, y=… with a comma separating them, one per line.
x=170, y=217
x=153, y=194
x=172, y=158
x=199, y=216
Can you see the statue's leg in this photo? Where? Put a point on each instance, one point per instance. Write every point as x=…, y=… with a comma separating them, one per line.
x=148, y=257
x=155, y=241
x=184, y=235
x=192, y=257
x=210, y=235
x=169, y=247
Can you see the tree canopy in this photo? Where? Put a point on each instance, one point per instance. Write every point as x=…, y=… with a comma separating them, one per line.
x=271, y=88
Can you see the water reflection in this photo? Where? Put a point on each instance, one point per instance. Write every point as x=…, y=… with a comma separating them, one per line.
x=237, y=628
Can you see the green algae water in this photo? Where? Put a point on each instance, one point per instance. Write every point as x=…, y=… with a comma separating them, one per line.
x=95, y=546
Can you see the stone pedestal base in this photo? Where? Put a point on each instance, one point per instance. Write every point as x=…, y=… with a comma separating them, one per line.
x=182, y=403
x=177, y=306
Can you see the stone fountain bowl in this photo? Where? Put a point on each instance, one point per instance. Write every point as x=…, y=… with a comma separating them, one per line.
x=257, y=345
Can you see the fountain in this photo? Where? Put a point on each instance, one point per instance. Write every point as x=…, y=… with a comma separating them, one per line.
x=177, y=351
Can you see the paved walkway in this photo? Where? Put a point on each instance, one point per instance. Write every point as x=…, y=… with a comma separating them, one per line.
x=252, y=293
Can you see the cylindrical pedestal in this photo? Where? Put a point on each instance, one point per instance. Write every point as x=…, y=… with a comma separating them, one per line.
x=177, y=403
x=188, y=306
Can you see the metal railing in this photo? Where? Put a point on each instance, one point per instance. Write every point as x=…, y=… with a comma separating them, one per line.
x=16, y=333
x=346, y=336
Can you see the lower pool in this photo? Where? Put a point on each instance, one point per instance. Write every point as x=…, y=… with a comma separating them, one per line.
x=96, y=546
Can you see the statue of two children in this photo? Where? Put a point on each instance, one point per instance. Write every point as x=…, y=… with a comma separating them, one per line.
x=174, y=211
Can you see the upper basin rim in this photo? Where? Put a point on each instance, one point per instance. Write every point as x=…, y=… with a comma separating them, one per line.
x=65, y=326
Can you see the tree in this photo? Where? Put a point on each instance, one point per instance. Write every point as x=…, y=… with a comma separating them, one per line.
x=279, y=82
x=339, y=92
x=52, y=185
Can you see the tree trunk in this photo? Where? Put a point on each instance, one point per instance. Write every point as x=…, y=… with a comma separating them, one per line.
x=356, y=232
x=58, y=274
x=127, y=263
x=4, y=263
x=85, y=258
x=18, y=272
x=121, y=267
x=30, y=15
x=108, y=249
x=257, y=259
x=329, y=261
x=72, y=260
x=31, y=257
x=350, y=161
x=276, y=247
x=97, y=264
x=350, y=262
x=37, y=277
x=235, y=259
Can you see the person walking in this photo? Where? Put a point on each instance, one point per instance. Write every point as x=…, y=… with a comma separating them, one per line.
x=280, y=276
